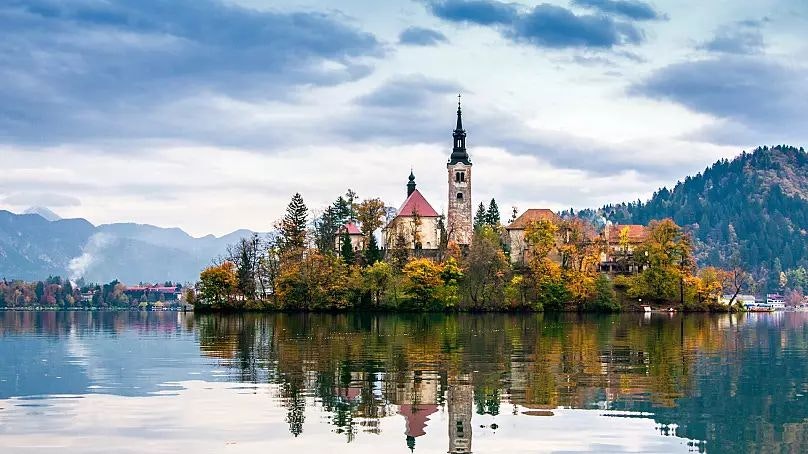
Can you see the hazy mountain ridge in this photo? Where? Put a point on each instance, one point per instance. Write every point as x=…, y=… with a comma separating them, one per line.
x=31, y=247
x=757, y=201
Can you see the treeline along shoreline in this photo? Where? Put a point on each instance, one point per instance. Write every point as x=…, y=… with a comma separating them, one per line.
x=305, y=268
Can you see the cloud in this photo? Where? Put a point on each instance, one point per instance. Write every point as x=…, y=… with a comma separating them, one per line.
x=86, y=68
x=757, y=92
x=418, y=36
x=743, y=37
x=545, y=25
x=631, y=9
x=480, y=12
x=556, y=27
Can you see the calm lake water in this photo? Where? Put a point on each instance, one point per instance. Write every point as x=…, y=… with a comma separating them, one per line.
x=84, y=382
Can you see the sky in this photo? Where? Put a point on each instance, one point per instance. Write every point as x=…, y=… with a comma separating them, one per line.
x=209, y=114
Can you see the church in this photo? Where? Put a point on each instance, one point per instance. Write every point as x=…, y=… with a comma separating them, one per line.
x=417, y=226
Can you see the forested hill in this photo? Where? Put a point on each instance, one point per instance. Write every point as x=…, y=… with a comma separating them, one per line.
x=758, y=201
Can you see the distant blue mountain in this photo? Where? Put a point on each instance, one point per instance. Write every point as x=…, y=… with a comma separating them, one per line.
x=32, y=247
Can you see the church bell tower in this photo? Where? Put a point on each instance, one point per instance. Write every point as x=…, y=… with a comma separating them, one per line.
x=459, y=223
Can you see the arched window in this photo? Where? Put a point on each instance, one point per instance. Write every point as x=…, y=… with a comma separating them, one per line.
x=459, y=196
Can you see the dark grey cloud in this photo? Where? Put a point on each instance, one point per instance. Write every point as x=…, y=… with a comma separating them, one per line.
x=744, y=37
x=83, y=68
x=544, y=25
x=419, y=36
x=759, y=93
x=632, y=9
x=556, y=27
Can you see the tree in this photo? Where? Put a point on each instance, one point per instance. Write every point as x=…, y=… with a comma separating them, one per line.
x=481, y=218
x=347, y=251
x=217, y=284
x=486, y=269
x=604, y=299
x=377, y=278
x=541, y=237
x=492, y=216
x=326, y=228
x=424, y=279
x=294, y=223
x=245, y=255
x=372, y=252
x=667, y=256
x=370, y=214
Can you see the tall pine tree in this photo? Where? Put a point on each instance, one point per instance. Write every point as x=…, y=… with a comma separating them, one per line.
x=372, y=252
x=481, y=218
x=347, y=251
x=293, y=225
x=492, y=215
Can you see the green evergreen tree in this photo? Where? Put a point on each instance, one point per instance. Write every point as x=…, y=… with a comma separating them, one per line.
x=293, y=225
x=492, y=216
x=481, y=218
x=372, y=252
x=347, y=251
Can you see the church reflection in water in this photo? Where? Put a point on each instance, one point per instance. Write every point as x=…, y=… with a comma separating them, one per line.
x=460, y=380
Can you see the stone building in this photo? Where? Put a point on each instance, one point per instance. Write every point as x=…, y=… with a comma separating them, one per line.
x=459, y=225
x=416, y=223
x=516, y=232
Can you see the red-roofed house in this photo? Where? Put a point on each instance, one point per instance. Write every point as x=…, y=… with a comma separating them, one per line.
x=416, y=222
x=516, y=231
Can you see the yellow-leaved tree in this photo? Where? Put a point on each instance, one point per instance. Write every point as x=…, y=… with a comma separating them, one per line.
x=218, y=285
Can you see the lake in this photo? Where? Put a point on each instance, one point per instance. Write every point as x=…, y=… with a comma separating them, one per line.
x=167, y=382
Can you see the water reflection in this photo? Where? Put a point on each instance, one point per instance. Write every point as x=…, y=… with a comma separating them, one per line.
x=432, y=383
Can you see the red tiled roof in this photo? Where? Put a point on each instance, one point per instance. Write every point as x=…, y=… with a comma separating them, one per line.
x=531, y=215
x=351, y=228
x=416, y=203
x=636, y=233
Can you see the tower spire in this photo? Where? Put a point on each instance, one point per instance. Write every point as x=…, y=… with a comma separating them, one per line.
x=459, y=126
x=459, y=153
x=411, y=184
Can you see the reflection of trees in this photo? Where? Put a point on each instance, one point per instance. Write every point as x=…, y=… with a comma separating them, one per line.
x=360, y=368
x=63, y=323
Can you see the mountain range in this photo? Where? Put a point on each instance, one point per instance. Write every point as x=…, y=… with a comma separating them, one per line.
x=33, y=247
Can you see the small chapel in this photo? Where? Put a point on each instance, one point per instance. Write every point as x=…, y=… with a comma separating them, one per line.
x=416, y=225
